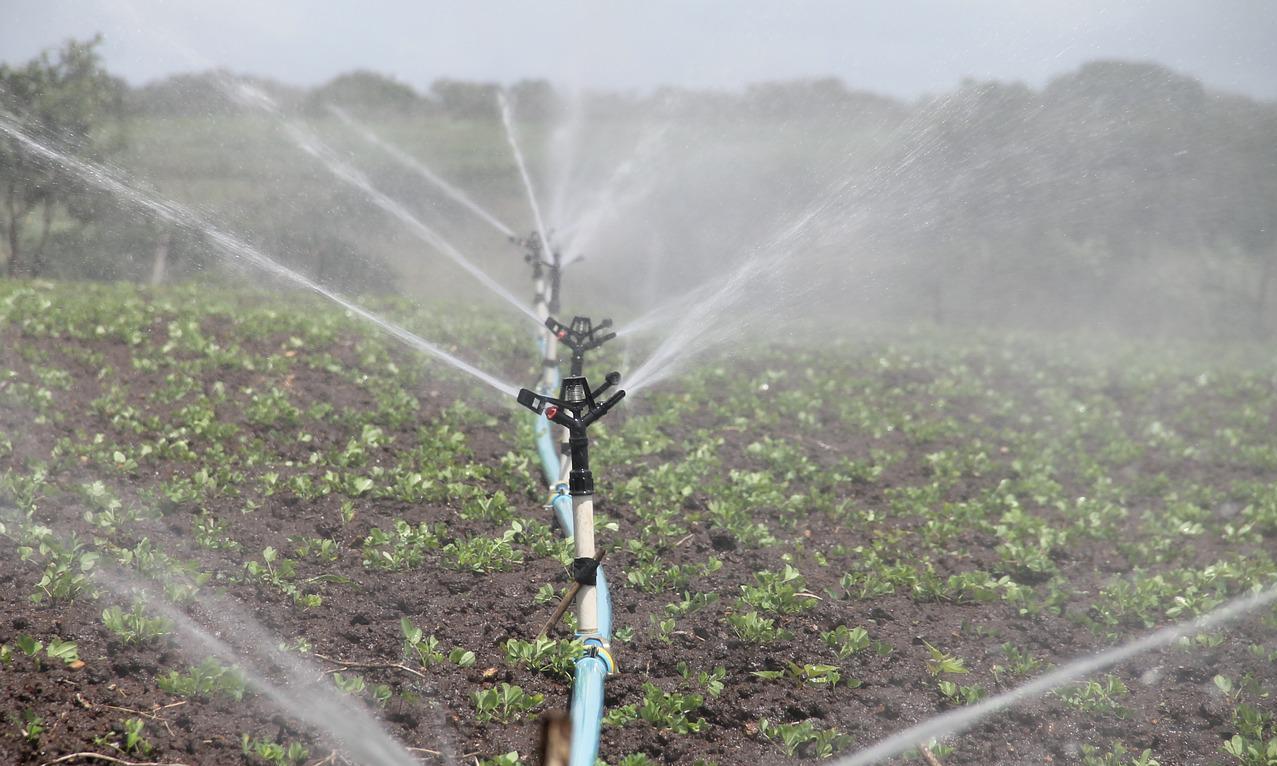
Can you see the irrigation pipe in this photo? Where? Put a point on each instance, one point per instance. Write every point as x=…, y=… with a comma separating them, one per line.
x=958, y=721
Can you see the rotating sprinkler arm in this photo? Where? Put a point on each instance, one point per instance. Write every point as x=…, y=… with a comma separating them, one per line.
x=581, y=336
x=574, y=415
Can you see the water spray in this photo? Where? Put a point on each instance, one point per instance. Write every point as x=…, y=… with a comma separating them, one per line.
x=230, y=246
x=575, y=409
x=408, y=161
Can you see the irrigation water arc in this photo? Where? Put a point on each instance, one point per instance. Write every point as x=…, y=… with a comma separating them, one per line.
x=234, y=248
x=959, y=720
x=408, y=161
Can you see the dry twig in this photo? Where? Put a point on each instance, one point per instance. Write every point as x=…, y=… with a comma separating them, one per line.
x=345, y=664
x=108, y=759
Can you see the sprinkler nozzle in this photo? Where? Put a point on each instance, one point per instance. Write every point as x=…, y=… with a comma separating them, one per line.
x=577, y=406
x=581, y=336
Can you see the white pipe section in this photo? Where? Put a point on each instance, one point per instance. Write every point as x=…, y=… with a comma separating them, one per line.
x=587, y=598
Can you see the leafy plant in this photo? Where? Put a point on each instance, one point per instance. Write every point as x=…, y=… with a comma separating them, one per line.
x=756, y=629
x=504, y=703
x=207, y=679
x=1097, y=696
x=804, y=738
x=272, y=752
x=134, y=626
x=545, y=655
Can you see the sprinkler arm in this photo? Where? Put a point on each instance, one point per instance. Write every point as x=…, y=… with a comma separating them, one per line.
x=581, y=336
x=574, y=416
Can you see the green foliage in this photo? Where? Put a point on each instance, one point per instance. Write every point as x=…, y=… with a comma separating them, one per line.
x=402, y=548
x=504, y=703
x=827, y=676
x=662, y=709
x=1117, y=756
x=804, y=739
x=846, y=641
x=482, y=554
x=207, y=679
x=942, y=662
x=1097, y=697
x=783, y=593
x=134, y=626
x=756, y=629
x=545, y=655
x=272, y=752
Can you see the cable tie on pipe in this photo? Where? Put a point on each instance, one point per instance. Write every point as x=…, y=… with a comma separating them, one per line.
x=585, y=570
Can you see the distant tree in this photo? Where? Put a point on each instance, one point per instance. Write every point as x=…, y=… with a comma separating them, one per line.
x=470, y=100
x=68, y=99
x=364, y=91
x=534, y=99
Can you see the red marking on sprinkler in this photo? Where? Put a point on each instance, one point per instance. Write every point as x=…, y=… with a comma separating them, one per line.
x=562, y=334
x=550, y=412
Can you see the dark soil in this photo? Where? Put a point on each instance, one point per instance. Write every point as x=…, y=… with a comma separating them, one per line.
x=1173, y=709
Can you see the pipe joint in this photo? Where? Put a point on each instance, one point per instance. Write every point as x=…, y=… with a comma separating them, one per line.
x=594, y=647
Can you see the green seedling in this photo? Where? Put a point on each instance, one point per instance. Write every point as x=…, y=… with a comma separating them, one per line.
x=545, y=655
x=134, y=626
x=940, y=662
x=804, y=739
x=504, y=703
x=207, y=679
x=273, y=753
x=1099, y=697
x=756, y=629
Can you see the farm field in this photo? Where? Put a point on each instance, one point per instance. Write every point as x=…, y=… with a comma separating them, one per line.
x=810, y=548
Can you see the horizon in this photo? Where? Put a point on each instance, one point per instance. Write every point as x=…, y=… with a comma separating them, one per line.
x=907, y=51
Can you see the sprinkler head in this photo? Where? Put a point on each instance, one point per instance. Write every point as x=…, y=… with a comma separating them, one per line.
x=580, y=336
x=577, y=406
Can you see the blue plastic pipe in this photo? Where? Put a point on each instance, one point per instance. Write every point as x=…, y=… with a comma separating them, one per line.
x=562, y=503
x=547, y=449
x=587, y=710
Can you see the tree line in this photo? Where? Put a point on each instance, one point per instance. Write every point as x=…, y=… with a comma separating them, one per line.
x=1120, y=187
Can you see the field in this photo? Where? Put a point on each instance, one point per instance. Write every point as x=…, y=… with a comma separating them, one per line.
x=811, y=548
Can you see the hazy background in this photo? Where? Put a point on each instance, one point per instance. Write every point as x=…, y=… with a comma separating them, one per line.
x=1048, y=165
x=904, y=49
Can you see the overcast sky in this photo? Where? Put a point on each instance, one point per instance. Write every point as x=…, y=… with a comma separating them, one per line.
x=902, y=47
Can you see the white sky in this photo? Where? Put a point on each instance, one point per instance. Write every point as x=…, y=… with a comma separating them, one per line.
x=900, y=47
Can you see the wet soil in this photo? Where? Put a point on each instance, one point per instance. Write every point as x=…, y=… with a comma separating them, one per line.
x=1172, y=708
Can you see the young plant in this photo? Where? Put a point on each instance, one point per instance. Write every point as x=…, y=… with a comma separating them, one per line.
x=756, y=629
x=134, y=626
x=1097, y=696
x=544, y=655
x=273, y=753
x=940, y=662
x=846, y=641
x=504, y=703
x=206, y=679
x=804, y=738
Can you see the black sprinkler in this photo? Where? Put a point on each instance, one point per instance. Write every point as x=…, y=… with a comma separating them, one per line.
x=576, y=408
x=535, y=253
x=581, y=336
